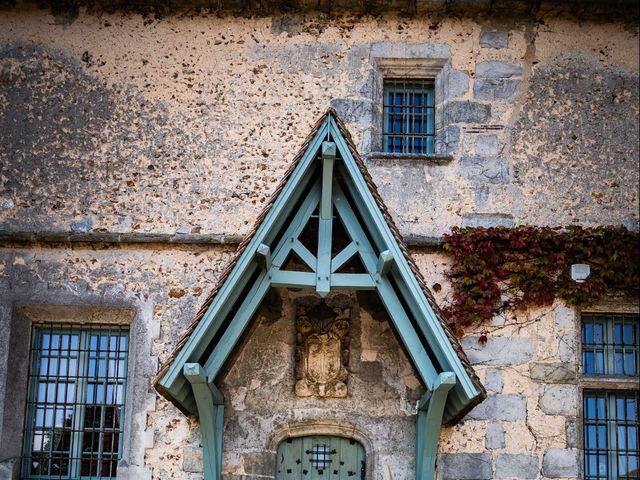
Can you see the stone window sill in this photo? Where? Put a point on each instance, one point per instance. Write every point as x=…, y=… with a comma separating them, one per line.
x=399, y=158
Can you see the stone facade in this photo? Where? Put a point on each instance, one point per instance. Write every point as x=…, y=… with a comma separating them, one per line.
x=135, y=152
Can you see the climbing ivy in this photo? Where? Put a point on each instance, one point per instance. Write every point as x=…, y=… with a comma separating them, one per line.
x=503, y=269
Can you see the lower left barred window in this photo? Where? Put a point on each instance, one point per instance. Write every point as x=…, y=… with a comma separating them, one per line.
x=75, y=404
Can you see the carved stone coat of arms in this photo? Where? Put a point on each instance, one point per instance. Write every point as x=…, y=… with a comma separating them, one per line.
x=322, y=351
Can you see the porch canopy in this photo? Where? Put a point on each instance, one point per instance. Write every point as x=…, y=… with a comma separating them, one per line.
x=328, y=186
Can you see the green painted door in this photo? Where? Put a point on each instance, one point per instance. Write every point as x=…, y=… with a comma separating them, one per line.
x=320, y=457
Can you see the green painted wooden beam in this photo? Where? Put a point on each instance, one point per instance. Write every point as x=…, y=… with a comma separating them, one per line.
x=346, y=254
x=285, y=278
x=328, y=158
x=428, y=425
x=355, y=281
x=305, y=255
x=325, y=227
x=211, y=414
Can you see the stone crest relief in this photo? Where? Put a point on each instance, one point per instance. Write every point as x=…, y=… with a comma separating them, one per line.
x=322, y=351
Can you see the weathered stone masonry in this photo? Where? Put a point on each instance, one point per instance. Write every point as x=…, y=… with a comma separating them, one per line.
x=130, y=129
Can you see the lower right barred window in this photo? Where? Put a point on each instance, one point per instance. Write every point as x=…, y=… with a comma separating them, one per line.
x=610, y=360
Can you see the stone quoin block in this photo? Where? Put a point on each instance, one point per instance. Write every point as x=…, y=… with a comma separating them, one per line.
x=494, y=436
x=486, y=145
x=466, y=112
x=465, y=466
x=496, y=89
x=559, y=399
x=496, y=69
x=457, y=84
x=552, y=372
x=498, y=350
x=560, y=463
x=485, y=169
x=494, y=40
x=493, y=380
x=509, y=408
x=517, y=466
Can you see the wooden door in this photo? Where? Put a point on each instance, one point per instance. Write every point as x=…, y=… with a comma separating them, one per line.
x=320, y=457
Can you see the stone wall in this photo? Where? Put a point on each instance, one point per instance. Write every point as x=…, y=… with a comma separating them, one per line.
x=120, y=123
x=124, y=125
x=527, y=428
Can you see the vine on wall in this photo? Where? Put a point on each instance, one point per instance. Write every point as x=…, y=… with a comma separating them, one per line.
x=503, y=269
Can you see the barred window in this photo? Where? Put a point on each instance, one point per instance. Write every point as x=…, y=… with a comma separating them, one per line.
x=409, y=116
x=611, y=353
x=75, y=404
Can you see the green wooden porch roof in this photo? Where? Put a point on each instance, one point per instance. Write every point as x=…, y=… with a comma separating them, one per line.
x=427, y=338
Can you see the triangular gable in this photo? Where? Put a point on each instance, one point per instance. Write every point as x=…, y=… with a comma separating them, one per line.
x=327, y=182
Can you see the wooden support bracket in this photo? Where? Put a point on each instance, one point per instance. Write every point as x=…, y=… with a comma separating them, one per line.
x=264, y=256
x=210, y=404
x=430, y=411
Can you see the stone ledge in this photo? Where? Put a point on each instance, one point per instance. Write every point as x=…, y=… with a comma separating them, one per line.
x=9, y=237
x=402, y=159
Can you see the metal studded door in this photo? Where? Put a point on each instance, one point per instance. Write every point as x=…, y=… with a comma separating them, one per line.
x=320, y=457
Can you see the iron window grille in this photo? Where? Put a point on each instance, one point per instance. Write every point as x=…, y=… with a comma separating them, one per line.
x=610, y=351
x=409, y=116
x=610, y=345
x=321, y=456
x=611, y=435
x=75, y=404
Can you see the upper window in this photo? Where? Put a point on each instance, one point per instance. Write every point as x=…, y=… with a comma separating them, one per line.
x=75, y=405
x=409, y=116
x=611, y=355
x=610, y=345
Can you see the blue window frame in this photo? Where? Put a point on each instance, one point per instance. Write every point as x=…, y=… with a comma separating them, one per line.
x=611, y=435
x=75, y=404
x=409, y=116
x=610, y=351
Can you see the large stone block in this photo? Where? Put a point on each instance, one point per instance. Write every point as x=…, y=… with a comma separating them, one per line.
x=494, y=40
x=509, y=408
x=559, y=399
x=567, y=347
x=404, y=50
x=498, y=350
x=552, y=372
x=489, y=220
x=465, y=466
x=572, y=428
x=457, y=84
x=496, y=89
x=560, y=463
x=486, y=145
x=496, y=69
x=450, y=139
x=466, y=112
x=517, y=466
x=565, y=317
x=493, y=380
x=494, y=436
x=485, y=169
